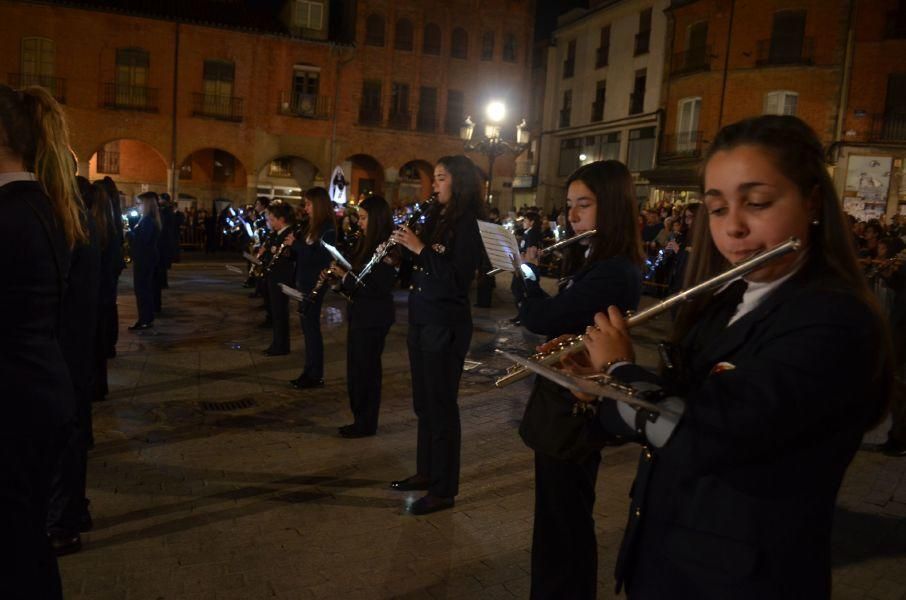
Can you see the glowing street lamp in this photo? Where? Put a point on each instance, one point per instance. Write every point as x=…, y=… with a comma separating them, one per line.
x=491, y=143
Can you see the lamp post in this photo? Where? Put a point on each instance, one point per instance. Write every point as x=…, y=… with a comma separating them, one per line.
x=491, y=143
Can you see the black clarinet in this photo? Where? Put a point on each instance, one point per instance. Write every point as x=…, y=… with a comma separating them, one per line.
x=282, y=250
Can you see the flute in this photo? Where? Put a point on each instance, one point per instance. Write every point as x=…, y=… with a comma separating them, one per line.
x=555, y=247
x=576, y=343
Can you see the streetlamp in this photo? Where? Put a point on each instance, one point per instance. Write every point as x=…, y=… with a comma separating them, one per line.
x=491, y=143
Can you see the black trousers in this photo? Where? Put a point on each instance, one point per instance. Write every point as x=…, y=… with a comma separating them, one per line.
x=143, y=282
x=314, y=341
x=364, y=374
x=279, y=305
x=564, y=548
x=436, y=356
x=160, y=283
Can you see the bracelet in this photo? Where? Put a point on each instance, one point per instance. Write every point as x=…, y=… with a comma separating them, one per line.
x=615, y=361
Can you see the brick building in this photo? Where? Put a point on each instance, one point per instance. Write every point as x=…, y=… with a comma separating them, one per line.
x=215, y=99
x=732, y=59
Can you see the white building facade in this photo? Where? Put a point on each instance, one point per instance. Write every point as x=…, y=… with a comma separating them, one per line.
x=603, y=91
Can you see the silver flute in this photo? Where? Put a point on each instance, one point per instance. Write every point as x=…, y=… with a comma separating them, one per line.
x=577, y=343
x=555, y=247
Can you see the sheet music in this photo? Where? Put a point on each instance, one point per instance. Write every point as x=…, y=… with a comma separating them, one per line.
x=291, y=292
x=234, y=269
x=252, y=259
x=501, y=246
x=341, y=260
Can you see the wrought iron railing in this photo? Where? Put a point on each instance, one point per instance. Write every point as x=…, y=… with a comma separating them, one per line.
x=785, y=51
x=130, y=97
x=692, y=60
x=55, y=85
x=224, y=108
x=307, y=106
x=683, y=144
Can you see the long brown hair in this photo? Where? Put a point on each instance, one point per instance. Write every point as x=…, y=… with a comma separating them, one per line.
x=33, y=128
x=151, y=209
x=321, y=212
x=380, y=225
x=466, y=198
x=616, y=213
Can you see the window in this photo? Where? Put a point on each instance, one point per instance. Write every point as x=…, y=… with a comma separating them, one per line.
x=896, y=21
x=637, y=97
x=509, y=48
x=399, y=105
x=38, y=57
x=185, y=170
x=217, y=88
x=569, y=156
x=610, y=146
x=787, y=36
x=109, y=158
x=641, y=149
x=224, y=166
x=280, y=167
x=893, y=124
x=566, y=109
x=403, y=38
x=597, y=107
x=696, y=55
x=687, y=134
x=781, y=102
x=455, y=112
x=643, y=37
x=427, y=109
x=370, y=109
x=431, y=43
x=374, y=30
x=459, y=43
x=307, y=15
x=132, y=78
x=487, y=45
x=603, y=53
x=569, y=65
x=306, y=84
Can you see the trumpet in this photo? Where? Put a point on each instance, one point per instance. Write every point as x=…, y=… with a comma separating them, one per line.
x=555, y=247
x=577, y=343
x=384, y=248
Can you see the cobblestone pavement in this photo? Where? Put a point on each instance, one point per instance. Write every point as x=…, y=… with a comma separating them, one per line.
x=212, y=478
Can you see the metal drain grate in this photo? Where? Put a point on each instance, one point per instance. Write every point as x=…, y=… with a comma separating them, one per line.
x=227, y=406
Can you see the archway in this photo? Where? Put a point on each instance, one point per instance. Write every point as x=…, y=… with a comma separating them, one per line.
x=287, y=177
x=215, y=177
x=366, y=176
x=415, y=181
x=133, y=165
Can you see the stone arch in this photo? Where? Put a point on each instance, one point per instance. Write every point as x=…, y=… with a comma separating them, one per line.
x=213, y=174
x=136, y=166
x=415, y=181
x=287, y=176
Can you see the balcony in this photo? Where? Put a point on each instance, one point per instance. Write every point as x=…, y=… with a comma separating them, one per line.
x=779, y=51
x=642, y=42
x=370, y=115
x=306, y=106
x=890, y=127
x=55, y=85
x=895, y=25
x=687, y=144
x=693, y=60
x=636, y=103
x=565, y=117
x=222, y=108
x=426, y=123
x=130, y=97
x=597, y=110
x=400, y=120
x=569, y=68
x=602, y=56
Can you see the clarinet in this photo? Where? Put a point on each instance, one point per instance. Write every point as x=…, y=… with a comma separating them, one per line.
x=281, y=250
x=384, y=248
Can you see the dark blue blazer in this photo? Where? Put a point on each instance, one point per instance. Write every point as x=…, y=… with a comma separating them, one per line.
x=372, y=303
x=739, y=503
x=311, y=259
x=143, y=244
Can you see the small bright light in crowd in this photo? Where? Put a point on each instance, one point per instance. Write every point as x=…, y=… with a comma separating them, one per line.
x=583, y=156
x=496, y=111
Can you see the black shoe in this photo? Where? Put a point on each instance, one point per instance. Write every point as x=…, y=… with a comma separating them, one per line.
x=304, y=382
x=353, y=432
x=139, y=326
x=416, y=482
x=430, y=503
x=65, y=543
x=515, y=320
x=273, y=352
x=891, y=448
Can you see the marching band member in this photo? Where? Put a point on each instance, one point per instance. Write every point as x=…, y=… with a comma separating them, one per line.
x=447, y=255
x=143, y=240
x=41, y=220
x=601, y=196
x=280, y=219
x=784, y=372
x=312, y=258
x=370, y=314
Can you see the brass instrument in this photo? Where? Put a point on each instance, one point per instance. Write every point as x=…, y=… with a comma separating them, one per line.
x=577, y=343
x=296, y=228
x=384, y=248
x=554, y=247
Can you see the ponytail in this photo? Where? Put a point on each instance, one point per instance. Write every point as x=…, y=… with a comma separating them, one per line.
x=34, y=130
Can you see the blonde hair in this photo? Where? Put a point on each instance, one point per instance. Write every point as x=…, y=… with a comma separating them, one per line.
x=33, y=128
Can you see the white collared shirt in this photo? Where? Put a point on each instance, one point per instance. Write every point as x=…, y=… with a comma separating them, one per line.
x=755, y=294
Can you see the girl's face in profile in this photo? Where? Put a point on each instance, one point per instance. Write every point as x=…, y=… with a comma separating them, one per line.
x=363, y=219
x=582, y=205
x=443, y=184
x=751, y=206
